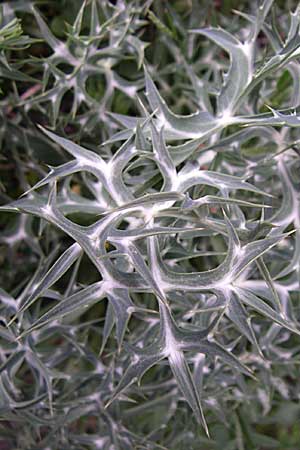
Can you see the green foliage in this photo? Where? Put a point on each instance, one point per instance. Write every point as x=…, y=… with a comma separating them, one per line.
x=150, y=225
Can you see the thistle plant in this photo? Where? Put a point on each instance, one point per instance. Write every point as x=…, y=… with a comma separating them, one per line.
x=157, y=302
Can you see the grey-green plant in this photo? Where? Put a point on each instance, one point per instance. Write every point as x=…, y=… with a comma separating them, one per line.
x=156, y=302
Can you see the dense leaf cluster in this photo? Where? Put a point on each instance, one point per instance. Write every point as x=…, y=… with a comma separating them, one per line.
x=151, y=248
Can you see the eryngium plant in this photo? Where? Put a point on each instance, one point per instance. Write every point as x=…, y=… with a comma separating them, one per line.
x=166, y=258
